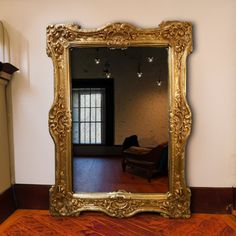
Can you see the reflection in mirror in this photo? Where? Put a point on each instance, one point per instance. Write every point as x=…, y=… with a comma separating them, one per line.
x=120, y=119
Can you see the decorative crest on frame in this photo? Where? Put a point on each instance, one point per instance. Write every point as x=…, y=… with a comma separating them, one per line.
x=175, y=35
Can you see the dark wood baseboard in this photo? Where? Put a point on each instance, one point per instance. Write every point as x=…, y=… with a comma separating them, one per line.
x=234, y=198
x=32, y=196
x=203, y=200
x=7, y=204
x=212, y=200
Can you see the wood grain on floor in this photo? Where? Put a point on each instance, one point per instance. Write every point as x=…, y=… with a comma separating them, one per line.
x=104, y=174
x=40, y=223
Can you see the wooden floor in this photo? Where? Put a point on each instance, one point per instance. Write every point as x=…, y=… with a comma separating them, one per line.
x=104, y=174
x=40, y=223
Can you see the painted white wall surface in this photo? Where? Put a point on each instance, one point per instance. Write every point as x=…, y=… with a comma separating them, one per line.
x=211, y=85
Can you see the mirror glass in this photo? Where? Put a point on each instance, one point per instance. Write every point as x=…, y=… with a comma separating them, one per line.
x=118, y=94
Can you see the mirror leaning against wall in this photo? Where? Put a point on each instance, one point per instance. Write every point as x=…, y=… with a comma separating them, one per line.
x=120, y=119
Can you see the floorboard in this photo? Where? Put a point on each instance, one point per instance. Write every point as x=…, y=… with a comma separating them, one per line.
x=104, y=174
x=40, y=223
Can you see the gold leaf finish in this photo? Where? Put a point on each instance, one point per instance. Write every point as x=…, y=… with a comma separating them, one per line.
x=175, y=35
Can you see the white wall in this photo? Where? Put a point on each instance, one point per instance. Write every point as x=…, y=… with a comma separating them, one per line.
x=211, y=154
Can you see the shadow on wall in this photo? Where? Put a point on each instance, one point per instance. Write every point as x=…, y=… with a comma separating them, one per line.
x=17, y=53
x=14, y=49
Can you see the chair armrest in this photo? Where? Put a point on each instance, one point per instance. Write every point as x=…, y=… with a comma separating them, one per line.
x=137, y=150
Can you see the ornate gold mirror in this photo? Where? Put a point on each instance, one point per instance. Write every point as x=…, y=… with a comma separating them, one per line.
x=120, y=119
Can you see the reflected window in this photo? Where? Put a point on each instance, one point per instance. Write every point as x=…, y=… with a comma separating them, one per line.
x=88, y=115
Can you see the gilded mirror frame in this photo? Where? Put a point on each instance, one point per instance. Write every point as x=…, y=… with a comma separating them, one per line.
x=175, y=35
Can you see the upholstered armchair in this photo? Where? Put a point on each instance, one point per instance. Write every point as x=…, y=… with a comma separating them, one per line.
x=152, y=160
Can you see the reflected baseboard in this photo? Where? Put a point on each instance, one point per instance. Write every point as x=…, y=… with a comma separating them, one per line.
x=97, y=150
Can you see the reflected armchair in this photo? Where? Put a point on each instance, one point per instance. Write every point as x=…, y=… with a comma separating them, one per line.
x=152, y=160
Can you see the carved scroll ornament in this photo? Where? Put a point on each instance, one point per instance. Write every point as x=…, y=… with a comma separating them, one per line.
x=175, y=35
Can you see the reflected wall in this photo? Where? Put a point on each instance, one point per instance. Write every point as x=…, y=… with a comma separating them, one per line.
x=140, y=103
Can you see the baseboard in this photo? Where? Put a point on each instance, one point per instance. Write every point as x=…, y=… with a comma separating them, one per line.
x=234, y=198
x=7, y=204
x=32, y=196
x=203, y=200
x=212, y=200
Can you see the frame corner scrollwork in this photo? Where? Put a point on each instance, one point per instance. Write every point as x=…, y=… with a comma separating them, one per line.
x=175, y=35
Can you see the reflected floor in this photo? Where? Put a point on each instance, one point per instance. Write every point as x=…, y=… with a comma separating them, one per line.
x=104, y=174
